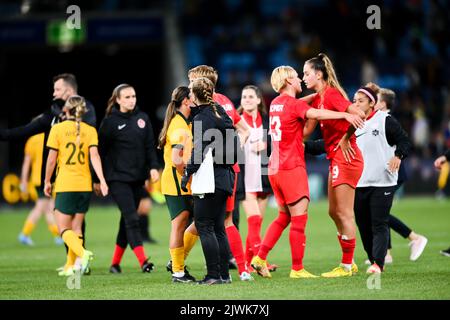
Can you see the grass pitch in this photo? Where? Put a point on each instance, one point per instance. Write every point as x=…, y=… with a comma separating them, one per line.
x=29, y=272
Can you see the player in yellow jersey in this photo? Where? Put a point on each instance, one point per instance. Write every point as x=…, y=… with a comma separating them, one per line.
x=34, y=148
x=176, y=139
x=72, y=144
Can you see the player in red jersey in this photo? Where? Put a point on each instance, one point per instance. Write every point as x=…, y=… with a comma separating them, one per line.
x=320, y=76
x=234, y=238
x=287, y=169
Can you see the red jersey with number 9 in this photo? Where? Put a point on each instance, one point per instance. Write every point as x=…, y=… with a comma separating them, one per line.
x=333, y=130
x=287, y=120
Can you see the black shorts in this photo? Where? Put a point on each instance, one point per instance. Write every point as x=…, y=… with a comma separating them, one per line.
x=39, y=192
x=72, y=202
x=178, y=204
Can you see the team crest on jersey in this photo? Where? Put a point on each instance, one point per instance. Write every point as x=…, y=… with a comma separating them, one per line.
x=141, y=123
x=375, y=132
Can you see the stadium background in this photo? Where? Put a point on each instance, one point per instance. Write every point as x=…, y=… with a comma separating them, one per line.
x=152, y=44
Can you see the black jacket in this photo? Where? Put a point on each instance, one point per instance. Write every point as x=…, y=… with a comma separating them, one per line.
x=127, y=146
x=43, y=124
x=204, y=119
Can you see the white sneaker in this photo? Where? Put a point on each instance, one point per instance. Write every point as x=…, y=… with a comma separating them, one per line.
x=245, y=276
x=367, y=262
x=417, y=247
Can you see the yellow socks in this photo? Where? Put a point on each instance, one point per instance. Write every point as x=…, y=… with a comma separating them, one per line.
x=177, y=255
x=73, y=241
x=189, y=241
x=53, y=229
x=28, y=228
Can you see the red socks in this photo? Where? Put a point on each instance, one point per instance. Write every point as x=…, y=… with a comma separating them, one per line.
x=253, y=237
x=118, y=253
x=140, y=254
x=235, y=241
x=297, y=240
x=348, y=249
x=273, y=234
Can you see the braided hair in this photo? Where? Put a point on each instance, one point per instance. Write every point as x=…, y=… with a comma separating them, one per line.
x=203, y=90
x=76, y=106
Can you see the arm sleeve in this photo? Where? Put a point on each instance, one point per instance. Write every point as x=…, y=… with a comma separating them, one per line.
x=93, y=138
x=315, y=147
x=38, y=125
x=28, y=147
x=395, y=135
x=52, y=141
x=152, y=159
x=335, y=101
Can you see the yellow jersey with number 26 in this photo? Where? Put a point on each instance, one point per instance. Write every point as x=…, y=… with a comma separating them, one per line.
x=73, y=173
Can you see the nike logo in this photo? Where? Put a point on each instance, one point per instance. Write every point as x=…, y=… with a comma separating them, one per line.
x=359, y=135
x=387, y=193
x=120, y=127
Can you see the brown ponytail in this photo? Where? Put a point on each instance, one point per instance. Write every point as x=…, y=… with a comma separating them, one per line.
x=178, y=95
x=324, y=64
x=203, y=89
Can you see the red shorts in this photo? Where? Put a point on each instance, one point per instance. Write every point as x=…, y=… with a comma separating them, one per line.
x=342, y=172
x=231, y=199
x=290, y=186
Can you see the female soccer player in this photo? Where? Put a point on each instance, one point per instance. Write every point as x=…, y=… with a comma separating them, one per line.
x=72, y=145
x=33, y=160
x=383, y=144
x=257, y=150
x=127, y=149
x=287, y=168
x=319, y=75
x=209, y=210
x=176, y=139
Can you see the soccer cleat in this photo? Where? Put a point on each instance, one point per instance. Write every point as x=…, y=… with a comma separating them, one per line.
x=147, y=266
x=445, y=252
x=338, y=272
x=374, y=268
x=302, y=273
x=115, y=268
x=209, y=281
x=58, y=241
x=367, y=261
x=86, y=259
x=354, y=268
x=260, y=266
x=67, y=272
x=246, y=276
x=87, y=272
x=272, y=267
x=250, y=269
x=26, y=240
x=417, y=247
x=183, y=279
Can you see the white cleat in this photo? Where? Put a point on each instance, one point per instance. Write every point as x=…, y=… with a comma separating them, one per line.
x=245, y=276
x=417, y=247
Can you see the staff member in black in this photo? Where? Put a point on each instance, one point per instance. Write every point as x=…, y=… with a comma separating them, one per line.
x=209, y=211
x=384, y=144
x=127, y=149
x=64, y=86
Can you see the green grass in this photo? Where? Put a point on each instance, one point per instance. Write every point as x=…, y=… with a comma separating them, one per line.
x=29, y=273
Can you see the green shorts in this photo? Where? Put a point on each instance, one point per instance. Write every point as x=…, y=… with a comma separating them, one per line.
x=39, y=192
x=178, y=204
x=72, y=202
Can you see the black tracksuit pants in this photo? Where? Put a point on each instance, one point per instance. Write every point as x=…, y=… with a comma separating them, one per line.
x=209, y=218
x=127, y=195
x=372, y=212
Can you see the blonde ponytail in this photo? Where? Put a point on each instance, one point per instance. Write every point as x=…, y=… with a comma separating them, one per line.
x=76, y=106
